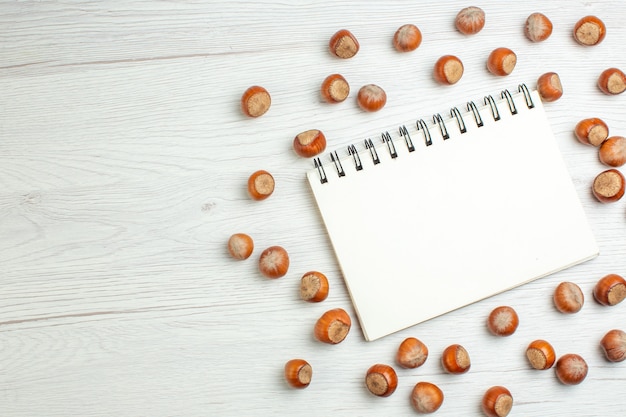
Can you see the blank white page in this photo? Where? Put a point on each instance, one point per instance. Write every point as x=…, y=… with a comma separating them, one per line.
x=452, y=223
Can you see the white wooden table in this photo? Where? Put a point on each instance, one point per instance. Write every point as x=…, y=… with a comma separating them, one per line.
x=123, y=165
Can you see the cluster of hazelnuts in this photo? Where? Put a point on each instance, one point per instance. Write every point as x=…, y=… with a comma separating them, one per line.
x=608, y=186
x=497, y=401
x=334, y=325
x=381, y=379
x=448, y=69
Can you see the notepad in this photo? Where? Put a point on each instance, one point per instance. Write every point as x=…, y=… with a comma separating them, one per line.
x=449, y=210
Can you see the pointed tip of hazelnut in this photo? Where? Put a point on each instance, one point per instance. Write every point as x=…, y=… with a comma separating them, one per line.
x=470, y=20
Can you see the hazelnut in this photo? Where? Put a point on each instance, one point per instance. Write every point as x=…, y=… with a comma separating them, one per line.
x=540, y=354
x=538, y=27
x=260, y=185
x=274, y=262
x=455, y=359
x=612, y=81
x=313, y=287
x=426, y=397
x=255, y=101
x=614, y=345
x=371, y=97
x=309, y=143
x=610, y=290
x=571, y=369
x=298, y=373
x=333, y=326
x=549, y=87
x=470, y=20
x=335, y=88
x=502, y=321
x=608, y=186
x=497, y=402
x=589, y=31
x=568, y=298
x=591, y=131
x=407, y=38
x=501, y=61
x=448, y=70
x=612, y=152
x=412, y=353
x=343, y=44
x=381, y=380
x=240, y=246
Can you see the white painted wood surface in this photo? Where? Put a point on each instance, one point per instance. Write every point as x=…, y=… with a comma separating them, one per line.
x=123, y=167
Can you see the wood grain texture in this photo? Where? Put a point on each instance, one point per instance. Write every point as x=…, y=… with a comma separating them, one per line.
x=123, y=166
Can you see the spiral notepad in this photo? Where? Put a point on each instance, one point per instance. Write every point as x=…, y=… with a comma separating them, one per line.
x=448, y=211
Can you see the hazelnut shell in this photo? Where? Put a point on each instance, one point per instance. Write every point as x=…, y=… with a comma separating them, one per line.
x=333, y=326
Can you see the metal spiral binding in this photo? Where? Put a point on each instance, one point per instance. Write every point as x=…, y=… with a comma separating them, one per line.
x=454, y=112
x=335, y=158
x=524, y=90
x=370, y=145
x=404, y=132
x=471, y=106
x=390, y=145
x=355, y=155
x=506, y=94
x=442, y=126
x=421, y=125
x=320, y=169
x=494, y=108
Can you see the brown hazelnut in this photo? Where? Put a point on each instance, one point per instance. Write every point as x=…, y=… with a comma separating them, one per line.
x=333, y=326
x=608, y=186
x=313, y=287
x=610, y=290
x=412, y=353
x=407, y=38
x=448, y=70
x=426, y=397
x=538, y=27
x=612, y=152
x=455, y=359
x=255, y=101
x=260, y=185
x=549, y=86
x=274, y=262
x=501, y=61
x=589, y=31
x=540, y=354
x=381, y=380
x=497, y=402
x=309, y=143
x=568, y=298
x=371, y=98
x=571, y=369
x=343, y=44
x=614, y=345
x=335, y=88
x=240, y=246
x=591, y=131
x=298, y=373
x=470, y=20
x=502, y=321
x=612, y=81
